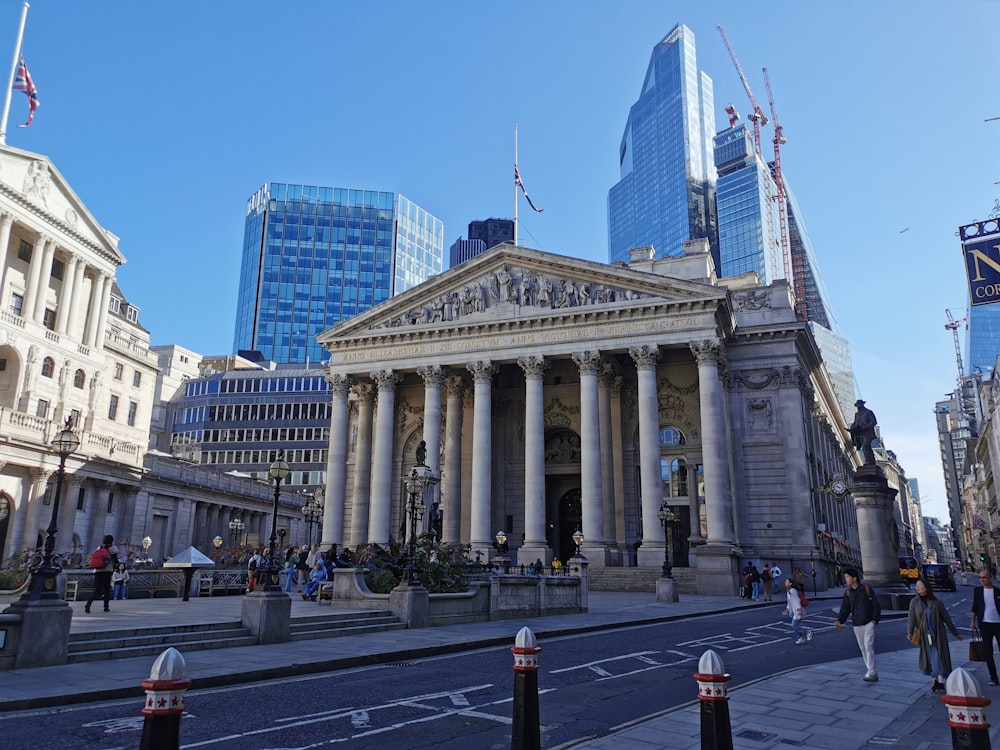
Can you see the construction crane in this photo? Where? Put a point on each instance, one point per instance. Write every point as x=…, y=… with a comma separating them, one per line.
x=953, y=326
x=757, y=117
x=792, y=274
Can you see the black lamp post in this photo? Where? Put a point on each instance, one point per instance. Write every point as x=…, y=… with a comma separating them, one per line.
x=217, y=543
x=502, y=548
x=577, y=540
x=667, y=518
x=812, y=566
x=43, y=577
x=312, y=511
x=278, y=471
x=416, y=508
x=236, y=526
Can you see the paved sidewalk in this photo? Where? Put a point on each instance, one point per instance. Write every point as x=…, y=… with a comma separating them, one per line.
x=821, y=706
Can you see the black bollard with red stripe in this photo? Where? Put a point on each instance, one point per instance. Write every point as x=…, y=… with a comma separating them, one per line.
x=713, y=695
x=966, y=712
x=526, y=731
x=164, y=702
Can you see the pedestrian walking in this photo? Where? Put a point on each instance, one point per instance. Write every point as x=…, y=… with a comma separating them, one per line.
x=799, y=577
x=986, y=615
x=253, y=566
x=291, y=560
x=103, y=562
x=119, y=580
x=796, y=611
x=765, y=582
x=754, y=582
x=925, y=624
x=861, y=605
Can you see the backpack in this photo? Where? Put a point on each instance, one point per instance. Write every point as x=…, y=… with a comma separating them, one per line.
x=100, y=558
x=803, y=600
x=765, y=575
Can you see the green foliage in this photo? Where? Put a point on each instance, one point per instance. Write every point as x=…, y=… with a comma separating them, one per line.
x=14, y=570
x=440, y=567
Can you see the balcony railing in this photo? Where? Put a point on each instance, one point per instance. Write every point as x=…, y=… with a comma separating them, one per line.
x=19, y=426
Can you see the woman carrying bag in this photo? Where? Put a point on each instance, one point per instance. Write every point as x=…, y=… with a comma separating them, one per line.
x=925, y=627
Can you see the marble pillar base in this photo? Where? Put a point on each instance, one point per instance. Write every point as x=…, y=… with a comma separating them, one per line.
x=596, y=554
x=411, y=604
x=874, y=500
x=268, y=614
x=718, y=570
x=530, y=552
x=650, y=555
x=666, y=590
x=43, y=640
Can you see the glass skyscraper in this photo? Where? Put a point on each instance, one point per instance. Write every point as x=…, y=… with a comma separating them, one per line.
x=666, y=192
x=749, y=238
x=313, y=256
x=983, y=344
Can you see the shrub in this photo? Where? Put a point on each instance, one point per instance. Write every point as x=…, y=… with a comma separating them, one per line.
x=440, y=567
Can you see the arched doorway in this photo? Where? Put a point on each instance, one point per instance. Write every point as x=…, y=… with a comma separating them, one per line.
x=570, y=518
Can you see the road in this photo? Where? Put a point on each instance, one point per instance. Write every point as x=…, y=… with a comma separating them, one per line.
x=588, y=684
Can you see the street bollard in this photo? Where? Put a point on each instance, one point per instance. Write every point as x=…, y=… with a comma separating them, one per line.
x=526, y=731
x=165, y=688
x=966, y=715
x=716, y=729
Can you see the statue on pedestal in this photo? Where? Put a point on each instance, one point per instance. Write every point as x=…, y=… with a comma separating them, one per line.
x=863, y=432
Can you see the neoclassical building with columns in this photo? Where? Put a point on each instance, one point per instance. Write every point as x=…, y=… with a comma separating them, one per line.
x=556, y=395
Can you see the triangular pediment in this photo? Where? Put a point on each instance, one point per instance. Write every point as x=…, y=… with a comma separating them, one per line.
x=33, y=183
x=517, y=283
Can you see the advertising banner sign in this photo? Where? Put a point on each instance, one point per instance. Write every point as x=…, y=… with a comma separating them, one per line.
x=981, y=248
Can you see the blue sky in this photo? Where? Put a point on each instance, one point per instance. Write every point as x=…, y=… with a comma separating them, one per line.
x=166, y=117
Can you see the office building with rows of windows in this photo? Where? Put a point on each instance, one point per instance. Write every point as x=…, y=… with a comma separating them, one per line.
x=239, y=420
x=314, y=256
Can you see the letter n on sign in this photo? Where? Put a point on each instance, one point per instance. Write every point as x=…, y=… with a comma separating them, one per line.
x=982, y=263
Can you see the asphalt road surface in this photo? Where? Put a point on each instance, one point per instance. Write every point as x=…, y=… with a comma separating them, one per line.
x=588, y=684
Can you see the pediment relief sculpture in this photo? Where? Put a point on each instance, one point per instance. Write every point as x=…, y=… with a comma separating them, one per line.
x=512, y=286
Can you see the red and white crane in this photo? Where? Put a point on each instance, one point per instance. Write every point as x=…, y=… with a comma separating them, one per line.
x=757, y=117
x=791, y=274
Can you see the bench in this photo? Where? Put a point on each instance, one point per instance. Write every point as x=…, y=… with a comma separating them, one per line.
x=211, y=582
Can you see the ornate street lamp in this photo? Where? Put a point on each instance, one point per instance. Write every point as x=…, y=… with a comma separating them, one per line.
x=218, y=543
x=43, y=577
x=414, y=488
x=146, y=544
x=667, y=518
x=278, y=471
x=501, y=546
x=312, y=511
x=577, y=540
x=236, y=527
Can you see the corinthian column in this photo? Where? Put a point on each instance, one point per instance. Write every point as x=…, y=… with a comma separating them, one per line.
x=482, y=455
x=336, y=463
x=650, y=481
x=605, y=382
x=432, y=377
x=65, y=304
x=34, y=273
x=365, y=395
x=451, y=481
x=378, y=529
x=718, y=503
x=42, y=285
x=535, y=546
x=592, y=489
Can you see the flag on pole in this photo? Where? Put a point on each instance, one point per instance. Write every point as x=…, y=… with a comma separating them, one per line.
x=23, y=82
x=520, y=184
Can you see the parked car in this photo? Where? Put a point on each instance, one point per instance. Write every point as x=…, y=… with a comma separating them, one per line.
x=939, y=576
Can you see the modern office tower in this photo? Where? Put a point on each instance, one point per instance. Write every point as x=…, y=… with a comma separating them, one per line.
x=666, y=193
x=954, y=433
x=983, y=341
x=238, y=420
x=749, y=237
x=492, y=231
x=462, y=250
x=313, y=256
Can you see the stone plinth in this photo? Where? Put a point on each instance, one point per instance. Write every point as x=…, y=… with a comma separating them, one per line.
x=411, y=604
x=44, y=637
x=268, y=614
x=666, y=590
x=718, y=570
x=873, y=499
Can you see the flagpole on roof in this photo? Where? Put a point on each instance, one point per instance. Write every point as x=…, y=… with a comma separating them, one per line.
x=515, y=183
x=10, y=81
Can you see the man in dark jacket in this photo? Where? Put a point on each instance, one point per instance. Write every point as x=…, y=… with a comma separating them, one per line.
x=861, y=605
x=986, y=615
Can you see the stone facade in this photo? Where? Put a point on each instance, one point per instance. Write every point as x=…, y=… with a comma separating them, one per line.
x=556, y=395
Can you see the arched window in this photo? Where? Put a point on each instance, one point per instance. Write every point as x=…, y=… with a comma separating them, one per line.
x=673, y=472
x=48, y=367
x=79, y=379
x=671, y=437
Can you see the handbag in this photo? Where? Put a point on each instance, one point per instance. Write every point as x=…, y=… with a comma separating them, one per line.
x=917, y=635
x=977, y=649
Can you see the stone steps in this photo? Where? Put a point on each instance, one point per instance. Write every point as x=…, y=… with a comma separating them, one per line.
x=638, y=579
x=131, y=642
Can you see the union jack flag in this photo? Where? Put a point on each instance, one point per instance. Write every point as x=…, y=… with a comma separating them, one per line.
x=520, y=184
x=23, y=82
